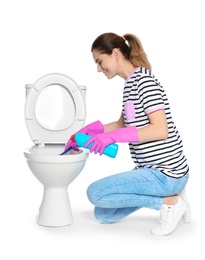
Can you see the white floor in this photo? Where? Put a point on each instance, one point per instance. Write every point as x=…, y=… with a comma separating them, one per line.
x=40, y=37
x=23, y=238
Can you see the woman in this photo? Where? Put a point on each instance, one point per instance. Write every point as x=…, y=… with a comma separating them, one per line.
x=161, y=171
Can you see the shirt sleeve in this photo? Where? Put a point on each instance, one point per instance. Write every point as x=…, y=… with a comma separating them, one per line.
x=151, y=94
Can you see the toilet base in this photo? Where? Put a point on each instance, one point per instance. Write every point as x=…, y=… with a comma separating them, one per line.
x=55, y=209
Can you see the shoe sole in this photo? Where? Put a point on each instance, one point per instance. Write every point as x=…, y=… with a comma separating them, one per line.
x=187, y=215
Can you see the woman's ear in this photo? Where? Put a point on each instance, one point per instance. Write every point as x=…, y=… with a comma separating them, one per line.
x=115, y=53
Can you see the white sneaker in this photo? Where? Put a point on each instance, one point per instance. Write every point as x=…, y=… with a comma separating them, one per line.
x=187, y=214
x=170, y=216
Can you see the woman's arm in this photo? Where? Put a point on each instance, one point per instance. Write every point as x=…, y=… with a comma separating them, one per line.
x=114, y=125
x=156, y=130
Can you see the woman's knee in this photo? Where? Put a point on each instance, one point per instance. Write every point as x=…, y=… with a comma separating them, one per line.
x=91, y=194
x=102, y=215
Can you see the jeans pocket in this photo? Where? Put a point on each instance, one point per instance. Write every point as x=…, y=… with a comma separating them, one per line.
x=181, y=184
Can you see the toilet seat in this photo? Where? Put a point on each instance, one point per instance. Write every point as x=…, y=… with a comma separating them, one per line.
x=75, y=109
x=50, y=154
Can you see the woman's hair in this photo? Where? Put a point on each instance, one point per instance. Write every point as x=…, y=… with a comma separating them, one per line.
x=129, y=45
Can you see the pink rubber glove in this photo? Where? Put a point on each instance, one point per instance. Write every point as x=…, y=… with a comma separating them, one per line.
x=71, y=143
x=91, y=129
x=100, y=141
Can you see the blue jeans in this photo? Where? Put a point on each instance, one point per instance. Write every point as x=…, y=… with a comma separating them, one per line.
x=119, y=195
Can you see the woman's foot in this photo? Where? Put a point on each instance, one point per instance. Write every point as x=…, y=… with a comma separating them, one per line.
x=170, y=216
x=187, y=214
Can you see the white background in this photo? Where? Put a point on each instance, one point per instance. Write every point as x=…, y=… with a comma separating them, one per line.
x=40, y=37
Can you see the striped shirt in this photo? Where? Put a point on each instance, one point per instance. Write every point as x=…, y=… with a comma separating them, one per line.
x=142, y=95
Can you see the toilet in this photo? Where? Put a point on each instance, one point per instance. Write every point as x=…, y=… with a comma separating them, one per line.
x=54, y=110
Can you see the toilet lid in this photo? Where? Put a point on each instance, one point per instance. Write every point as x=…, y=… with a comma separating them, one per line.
x=54, y=109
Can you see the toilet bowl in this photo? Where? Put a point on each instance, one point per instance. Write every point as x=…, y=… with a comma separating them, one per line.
x=54, y=110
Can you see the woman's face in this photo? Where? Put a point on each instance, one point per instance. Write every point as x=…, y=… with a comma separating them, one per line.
x=107, y=64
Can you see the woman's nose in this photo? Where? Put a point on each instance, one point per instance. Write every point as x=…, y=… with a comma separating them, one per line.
x=99, y=69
